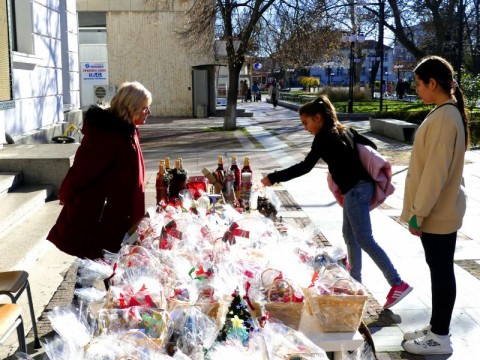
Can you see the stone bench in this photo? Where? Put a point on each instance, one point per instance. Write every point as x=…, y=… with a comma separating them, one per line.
x=394, y=129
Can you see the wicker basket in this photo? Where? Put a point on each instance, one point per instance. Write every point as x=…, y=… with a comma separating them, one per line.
x=142, y=341
x=289, y=313
x=215, y=310
x=336, y=313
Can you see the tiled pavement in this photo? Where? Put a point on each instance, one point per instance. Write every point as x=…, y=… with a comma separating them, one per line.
x=274, y=138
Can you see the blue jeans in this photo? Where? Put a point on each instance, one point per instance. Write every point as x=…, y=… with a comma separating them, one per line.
x=357, y=232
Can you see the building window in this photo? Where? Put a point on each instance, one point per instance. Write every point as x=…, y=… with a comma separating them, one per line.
x=5, y=64
x=21, y=25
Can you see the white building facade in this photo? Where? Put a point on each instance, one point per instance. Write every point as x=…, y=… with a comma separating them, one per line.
x=141, y=44
x=39, y=65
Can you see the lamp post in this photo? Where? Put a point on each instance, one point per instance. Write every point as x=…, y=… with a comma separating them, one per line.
x=373, y=60
x=380, y=49
x=329, y=65
x=360, y=38
x=386, y=84
x=398, y=67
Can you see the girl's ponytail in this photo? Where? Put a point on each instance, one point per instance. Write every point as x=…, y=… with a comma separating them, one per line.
x=458, y=93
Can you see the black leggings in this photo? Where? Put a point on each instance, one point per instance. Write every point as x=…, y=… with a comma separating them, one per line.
x=439, y=251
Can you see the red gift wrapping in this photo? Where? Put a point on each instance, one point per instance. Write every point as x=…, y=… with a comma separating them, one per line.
x=197, y=185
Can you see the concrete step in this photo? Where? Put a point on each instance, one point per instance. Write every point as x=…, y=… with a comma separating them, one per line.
x=39, y=163
x=23, y=246
x=9, y=180
x=20, y=202
x=19, y=243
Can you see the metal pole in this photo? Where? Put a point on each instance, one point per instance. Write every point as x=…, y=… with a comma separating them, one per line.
x=382, y=49
x=460, y=42
x=351, y=79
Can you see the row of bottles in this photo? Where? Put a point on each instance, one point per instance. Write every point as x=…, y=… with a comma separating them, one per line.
x=233, y=183
x=170, y=181
x=234, y=174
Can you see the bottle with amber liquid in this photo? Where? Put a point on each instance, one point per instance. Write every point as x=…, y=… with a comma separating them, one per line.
x=161, y=184
x=246, y=166
x=236, y=172
x=220, y=171
x=167, y=164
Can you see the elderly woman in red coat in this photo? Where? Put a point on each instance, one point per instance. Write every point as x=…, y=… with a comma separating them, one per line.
x=103, y=192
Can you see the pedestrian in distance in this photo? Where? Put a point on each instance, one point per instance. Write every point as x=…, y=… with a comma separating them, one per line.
x=401, y=88
x=336, y=145
x=243, y=89
x=435, y=201
x=274, y=93
x=384, y=87
x=248, y=96
x=256, y=91
x=103, y=193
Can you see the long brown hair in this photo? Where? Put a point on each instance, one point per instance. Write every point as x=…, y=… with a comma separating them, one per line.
x=436, y=67
x=324, y=107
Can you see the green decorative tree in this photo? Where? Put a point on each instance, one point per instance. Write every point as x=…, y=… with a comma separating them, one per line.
x=238, y=322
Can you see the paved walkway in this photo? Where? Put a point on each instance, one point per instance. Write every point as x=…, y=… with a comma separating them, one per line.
x=274, y=138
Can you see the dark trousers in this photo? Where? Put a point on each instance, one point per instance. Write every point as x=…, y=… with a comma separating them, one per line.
x=274, y=100
x=439, y=251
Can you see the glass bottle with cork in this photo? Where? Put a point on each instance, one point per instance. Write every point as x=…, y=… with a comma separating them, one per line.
x=236, y=171
x=161, y=184
x=220, y=171
x=246, y=166
x=167, y=164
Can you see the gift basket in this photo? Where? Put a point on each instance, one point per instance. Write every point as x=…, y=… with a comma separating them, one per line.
x=284, y=303
x=336, y=301
x=152, y=323
x=274, y=297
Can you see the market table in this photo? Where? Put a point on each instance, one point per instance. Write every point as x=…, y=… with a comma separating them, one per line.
x=330, y=342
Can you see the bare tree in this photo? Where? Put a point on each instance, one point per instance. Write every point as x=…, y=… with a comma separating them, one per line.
x=234, y=23
x=239, y=24
x=447, y=28
x=472, y=36
x=301, y=38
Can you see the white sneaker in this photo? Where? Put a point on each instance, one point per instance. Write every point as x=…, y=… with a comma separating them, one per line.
x=429, y=344
x=412, y=335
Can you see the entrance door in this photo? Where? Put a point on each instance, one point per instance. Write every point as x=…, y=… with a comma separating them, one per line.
x=200, y=93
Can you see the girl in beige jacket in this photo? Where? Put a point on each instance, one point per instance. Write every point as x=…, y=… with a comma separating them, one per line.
x=435, y=201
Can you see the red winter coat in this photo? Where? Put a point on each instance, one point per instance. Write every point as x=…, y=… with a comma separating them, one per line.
x=104, y=191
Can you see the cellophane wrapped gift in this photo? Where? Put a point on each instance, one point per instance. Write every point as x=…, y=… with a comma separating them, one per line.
x=284, y=342
x=336, y=300
x=92, y=271
x=198, y=185
x=192, y=331
x=255, y=349
x=138, y=290
x=284, y=303
x=154, y=323
x=74, y=332
x=124, y=346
